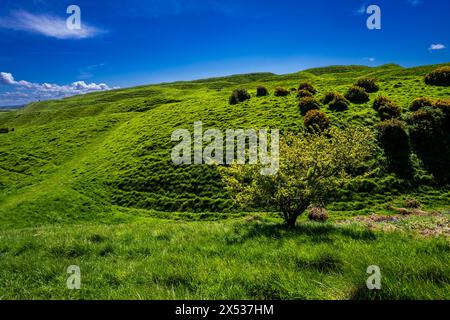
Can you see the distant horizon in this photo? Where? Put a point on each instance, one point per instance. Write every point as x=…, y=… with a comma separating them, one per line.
x=21, y=105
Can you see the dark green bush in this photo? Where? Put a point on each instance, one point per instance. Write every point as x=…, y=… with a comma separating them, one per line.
x=389, y=111
x=430, y=138
x=339, y=103
x=329, y=96
x=239, y=95
x=4, y=130
x=357, y=95
x=261, y=91
x=439, y=77
x=380, y=101
x=395, y=142
x=444, y=106
x=421, y=103
x=307, y=104
x=281, y=92
x=308, y=87
x=369, y=84
x=304, y=93
x=316, y=120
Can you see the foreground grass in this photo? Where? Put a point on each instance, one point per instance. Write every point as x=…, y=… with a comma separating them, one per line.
x=236, y=259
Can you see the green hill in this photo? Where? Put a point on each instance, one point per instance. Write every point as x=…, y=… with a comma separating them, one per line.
x=93, y=157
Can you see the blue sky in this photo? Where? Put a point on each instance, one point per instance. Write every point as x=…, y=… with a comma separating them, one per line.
x=134, y=42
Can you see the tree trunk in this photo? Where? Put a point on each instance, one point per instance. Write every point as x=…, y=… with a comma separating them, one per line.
x=292, y=216
x=290, y=222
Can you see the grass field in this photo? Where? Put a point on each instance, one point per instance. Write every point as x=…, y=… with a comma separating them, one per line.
x=220, y=260
x=89, y=181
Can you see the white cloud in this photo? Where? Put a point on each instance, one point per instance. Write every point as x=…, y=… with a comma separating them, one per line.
x=47, y=25
x=438, y=46
x=6, y=78
x=361, y=10
x=26, y=91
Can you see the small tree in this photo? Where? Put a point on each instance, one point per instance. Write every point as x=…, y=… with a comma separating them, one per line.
x=312, y=166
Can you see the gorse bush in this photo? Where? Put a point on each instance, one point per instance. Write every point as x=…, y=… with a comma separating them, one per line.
x=430, y=138
x=316, y=120
x=239, y=95
x=307, y=104
x=281, y=92
x=413, y=204
x=304, y=94
x=439, y=77
x=395, y=142
x=369, y=84
x=420, y=103
x=357, y=94
x=389, y=111
x=318, y=213
x=329, y=96
x=380, y=101
x=339, y=103
x=444, y=106
x=261, y=91
x=308, y=87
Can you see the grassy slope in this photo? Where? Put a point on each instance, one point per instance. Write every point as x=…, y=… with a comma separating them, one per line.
x=105, y=158
x=227, y=260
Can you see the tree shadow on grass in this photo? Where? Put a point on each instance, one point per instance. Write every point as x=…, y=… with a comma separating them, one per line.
x=316, y=232
x=361, y=292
